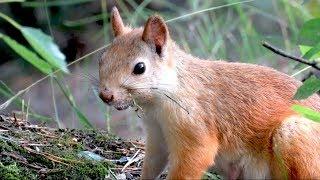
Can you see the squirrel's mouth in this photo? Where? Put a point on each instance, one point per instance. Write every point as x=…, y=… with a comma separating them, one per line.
x=122, y=105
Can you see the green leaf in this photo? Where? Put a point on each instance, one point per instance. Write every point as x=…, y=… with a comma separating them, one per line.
x=310, y=33
x=307, y=112
x=313, y=51
x=44, y=45
x=305, y=49
x=5, y=90
x=309, y=87
x=28, y=55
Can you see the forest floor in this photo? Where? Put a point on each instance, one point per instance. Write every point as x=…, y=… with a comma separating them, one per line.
x=33, y=151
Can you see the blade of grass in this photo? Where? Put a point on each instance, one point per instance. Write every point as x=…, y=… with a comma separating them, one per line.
x=300, y=71
x=85, y=20
x=106, y=113
x=124, y=9
x=48, y=18
x=22, y=108
x=292, y=23
x=11, y=21
x=246, y=49
x=283, y=26
x=81, y=117
x=104, y=19
x=36, y=4
x=138, y=11
x=208, y=9
x=7, y=92
x=104, y=11
x=56, y=113
x=171, y=5
x=28, y=105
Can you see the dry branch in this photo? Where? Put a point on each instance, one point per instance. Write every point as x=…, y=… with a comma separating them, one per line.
x=294, y=58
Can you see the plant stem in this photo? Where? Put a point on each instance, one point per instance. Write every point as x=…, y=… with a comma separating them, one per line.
x=104, y=19
x=56, y=114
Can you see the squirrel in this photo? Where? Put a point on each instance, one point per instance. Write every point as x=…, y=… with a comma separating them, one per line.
x=200, y=113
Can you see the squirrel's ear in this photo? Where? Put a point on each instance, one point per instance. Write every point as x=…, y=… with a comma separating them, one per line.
x=116, y=22
x=156, y=33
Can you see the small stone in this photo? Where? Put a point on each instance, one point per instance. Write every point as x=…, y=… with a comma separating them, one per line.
x=121, y=176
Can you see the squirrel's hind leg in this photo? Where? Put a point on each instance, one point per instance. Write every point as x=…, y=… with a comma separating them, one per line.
x=296, y=147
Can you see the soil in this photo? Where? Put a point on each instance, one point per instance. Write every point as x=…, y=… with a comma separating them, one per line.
x=33, y=151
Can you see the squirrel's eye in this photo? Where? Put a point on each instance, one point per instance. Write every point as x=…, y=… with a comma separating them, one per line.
x=139, y=68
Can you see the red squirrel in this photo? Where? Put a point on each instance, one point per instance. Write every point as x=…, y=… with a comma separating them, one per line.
x=199, y=113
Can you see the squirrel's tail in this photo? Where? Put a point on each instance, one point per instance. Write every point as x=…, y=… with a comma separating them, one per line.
x=296, y=149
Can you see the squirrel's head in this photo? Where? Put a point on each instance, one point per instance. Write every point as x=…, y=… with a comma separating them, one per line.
x=137, y=66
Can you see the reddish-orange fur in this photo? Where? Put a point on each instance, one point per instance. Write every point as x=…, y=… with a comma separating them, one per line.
x=238, y=114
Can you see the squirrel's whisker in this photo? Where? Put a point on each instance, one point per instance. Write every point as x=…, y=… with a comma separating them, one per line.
x=164, y=93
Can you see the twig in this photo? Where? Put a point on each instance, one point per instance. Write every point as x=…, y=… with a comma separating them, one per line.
x=14, y=156
x=21, y=160
x=49, y=171
x=284, y=54
x=47, y=135
x=34, y=144
x=127, y=169
x=136, y=143
x=9, y=139
x=4, y=128
x=132, y=159
x=51, y=157
x=55, y=160
x=60, y=158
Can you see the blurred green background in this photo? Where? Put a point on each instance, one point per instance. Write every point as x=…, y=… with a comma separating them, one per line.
x=232, y=31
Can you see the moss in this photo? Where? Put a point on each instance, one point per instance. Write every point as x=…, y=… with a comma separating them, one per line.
x=21, y=160
x=27, y=174
x=91, y=170
x=9, y=172
x=85, y=170
x=102, y=137
x=4, y=146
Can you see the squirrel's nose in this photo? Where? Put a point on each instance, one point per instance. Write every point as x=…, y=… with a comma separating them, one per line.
x=106, y=96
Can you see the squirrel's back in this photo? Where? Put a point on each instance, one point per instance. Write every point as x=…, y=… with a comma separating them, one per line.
x=249, y=101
